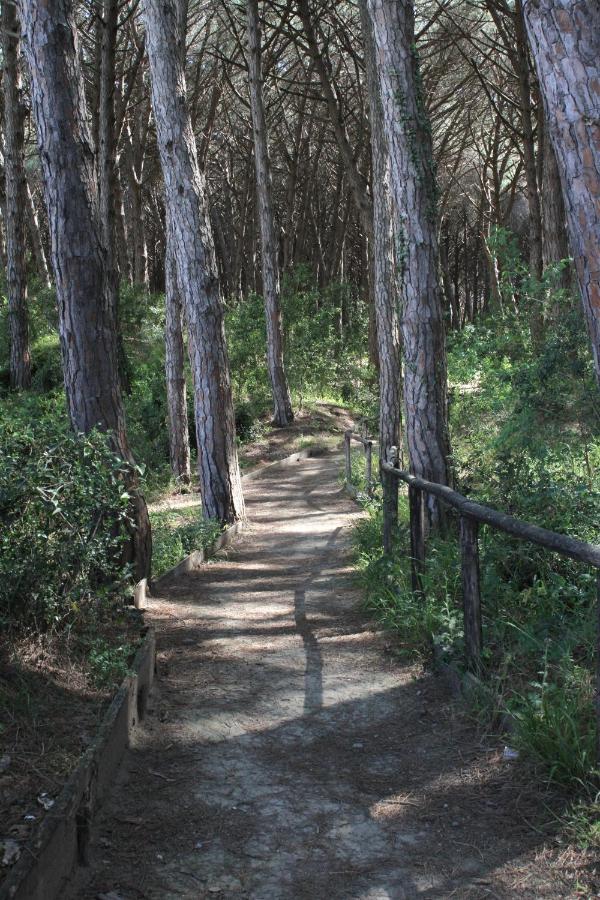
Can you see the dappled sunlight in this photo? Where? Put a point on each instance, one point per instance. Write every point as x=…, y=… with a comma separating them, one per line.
x=288, y=748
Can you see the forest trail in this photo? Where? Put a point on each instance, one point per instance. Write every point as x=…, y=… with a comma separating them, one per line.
x=289, y=754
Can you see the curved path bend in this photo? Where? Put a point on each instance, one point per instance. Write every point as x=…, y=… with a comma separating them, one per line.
x=288, y=753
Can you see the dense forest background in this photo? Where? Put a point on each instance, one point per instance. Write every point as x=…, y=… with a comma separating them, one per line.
x=285, y=118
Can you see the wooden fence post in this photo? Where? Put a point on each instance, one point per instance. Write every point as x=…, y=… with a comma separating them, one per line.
x=417, y=536
x=348, y=459
x=369, y=467
x=390, y=500
x=469, y=529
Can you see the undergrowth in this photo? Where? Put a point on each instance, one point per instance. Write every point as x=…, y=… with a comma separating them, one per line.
x=176, y=533
x=525, y=438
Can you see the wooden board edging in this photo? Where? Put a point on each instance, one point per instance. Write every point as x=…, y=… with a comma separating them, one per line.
x=60, y=843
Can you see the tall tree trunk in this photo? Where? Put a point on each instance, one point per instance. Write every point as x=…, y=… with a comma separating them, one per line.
x=15, y=201
x=565, y=41
x=447, y=280
x=179, y=438
x=125, y=261
x=413, y=191
x=179, y=441
x=107, y=169
x=35, y=236
x=555, y=241
x=282, y=404
x=134, y=173
x=197, y=276
x=529, y=154
x=85, y=303
x=106, y=140
x=385, y=291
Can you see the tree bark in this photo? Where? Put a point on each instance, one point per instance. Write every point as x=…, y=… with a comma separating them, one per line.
x=282, y=404
x=35, y=236
x=179, y=441
x=385, y=288
x=108, y=186
x=555, y=241
x=529, y=155
x=85, y=303
x=197, y=277
x=564, y=37
x=413, y=192
x=15, y=202
x=106, y=140
x=134, y=168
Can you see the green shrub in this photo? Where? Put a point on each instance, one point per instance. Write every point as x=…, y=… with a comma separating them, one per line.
x=526, y=440
x=63, y=508
x=108, y=664
x=176, y=533
x=46, y=363
x=325, y=347
x=556, y=725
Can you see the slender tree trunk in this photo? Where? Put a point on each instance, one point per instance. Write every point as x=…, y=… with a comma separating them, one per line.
x=107, y=169
x=85, y=303
x=555, y=241
x=37, y=245
x=179, y=441
x=197, y=276
x=413, y=191
x=282, y=404
x=136, y=228
x=106, y=140
x=179, y=438
x=447, y=280
x=138, y=231
x=529, y=154
x=122, y=238
x=15, y=201
x=565, y=41
x=385, y=287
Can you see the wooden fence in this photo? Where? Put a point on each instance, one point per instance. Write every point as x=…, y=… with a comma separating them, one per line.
x=471, y=515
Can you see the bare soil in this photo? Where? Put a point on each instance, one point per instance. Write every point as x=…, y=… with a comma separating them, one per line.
x=289, y=753
x=50, y=712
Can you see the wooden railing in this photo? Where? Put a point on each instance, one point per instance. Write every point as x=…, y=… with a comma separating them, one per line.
x=471, y=515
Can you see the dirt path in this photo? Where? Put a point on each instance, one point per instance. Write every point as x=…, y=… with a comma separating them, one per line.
x=288, y=755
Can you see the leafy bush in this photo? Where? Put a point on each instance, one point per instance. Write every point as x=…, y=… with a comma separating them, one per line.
x=324, y=345
x=526, y=440
x=62, y=510
x=108, y=664
x=176, y=533
x=46, y=363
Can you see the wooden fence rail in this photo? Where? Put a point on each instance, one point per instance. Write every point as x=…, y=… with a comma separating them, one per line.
x=471, y=516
